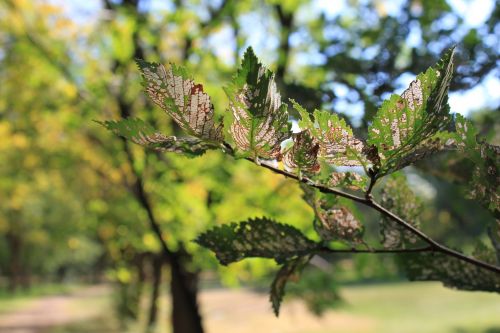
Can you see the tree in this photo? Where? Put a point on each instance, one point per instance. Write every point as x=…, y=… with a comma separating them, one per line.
x=130, y=219
x=78, y=69
x=406, y=129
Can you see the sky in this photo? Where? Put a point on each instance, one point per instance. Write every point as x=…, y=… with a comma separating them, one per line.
x=255, y=27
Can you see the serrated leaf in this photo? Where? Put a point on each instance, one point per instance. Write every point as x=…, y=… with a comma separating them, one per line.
x=438, y=143
x=182, y=99
x=143, y=134
x=399, y=199
x=288, y=270
x=260, y=237
x=303, y=155
x=259, y=120
x=333, y=221
x=452, y=272
x=485, y=181
x=465, y=133
x=404, y=122
x=337, y=144
x=338, y=223
x=350, y=180
x=318, y=288
x=494, y=235
x=486, y=178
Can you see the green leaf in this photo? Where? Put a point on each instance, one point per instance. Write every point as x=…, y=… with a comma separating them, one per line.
x=289, y=270
x=350, y=180
x=318, y=288
x=494, y=235
x=182, y=99
x=452, y=272
x=338, y=223
x=465, y=133
x=403, y=123
x=303, y=155
x=143, y=134
x=399, y=199
x=485, y=183
x=260, y=237
x=486, y=179
x=333, y=221
x=258, y=120
x=337, y=144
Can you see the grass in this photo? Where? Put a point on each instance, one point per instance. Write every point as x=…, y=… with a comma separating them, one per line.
x=424, y=307
x=11, y=301
x=388, y=308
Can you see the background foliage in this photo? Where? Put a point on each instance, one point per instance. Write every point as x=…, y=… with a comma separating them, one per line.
x=70, y=199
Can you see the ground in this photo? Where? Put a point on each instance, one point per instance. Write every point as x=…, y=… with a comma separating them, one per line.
x=416, y=307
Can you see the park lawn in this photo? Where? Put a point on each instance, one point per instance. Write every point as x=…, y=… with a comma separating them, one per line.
x=11, y=302
x=375, y=308
x=424, y=307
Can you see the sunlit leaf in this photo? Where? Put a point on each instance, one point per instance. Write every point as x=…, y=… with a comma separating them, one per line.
x=143, y=134
x=289, y=270
x=350, y=180
x=303, y=155
x=337, y=144
x=182, y=99
x=258, y=120
x=260, y=237
x=403, y=123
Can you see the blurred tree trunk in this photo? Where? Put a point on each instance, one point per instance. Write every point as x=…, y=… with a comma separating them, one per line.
x=184, y=289
x=157, y=263
x=14, y=244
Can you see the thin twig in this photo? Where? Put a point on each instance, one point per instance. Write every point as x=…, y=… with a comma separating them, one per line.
x=376, y=251
x=368, y=201
x=368, y=193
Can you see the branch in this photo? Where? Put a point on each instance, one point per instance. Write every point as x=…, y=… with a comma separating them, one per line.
x=435, y=245
x=368, y=201
x=376, y=251
x=368, y=193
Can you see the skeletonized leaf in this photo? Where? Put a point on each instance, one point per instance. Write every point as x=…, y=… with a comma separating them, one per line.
x=260, y=237
x=429, y=147
x=303, y=155
x=399, y=199
x=404, y=122
x=338, y=223
x=318, y=288
x=143, y=134
x=465, y=133
x=337, y=144
x=182, y=99
x=350, y=180
x=288, y=271
x=494, y=234
x=452, y=272
x=333, y=221
x=486, y=178
x=259, y=120
x=485, y=181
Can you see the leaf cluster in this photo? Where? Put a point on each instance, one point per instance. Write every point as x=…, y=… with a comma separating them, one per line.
x=257, y=127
